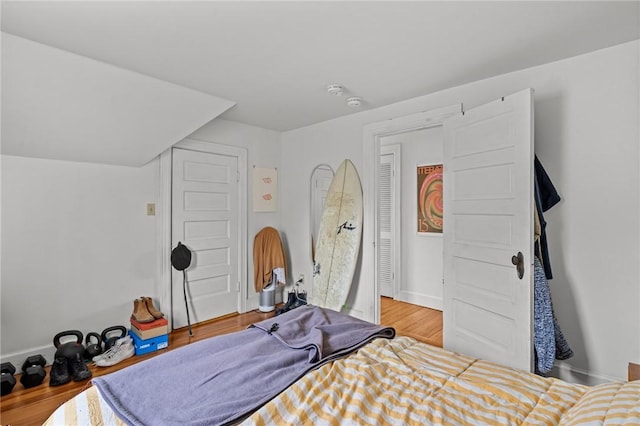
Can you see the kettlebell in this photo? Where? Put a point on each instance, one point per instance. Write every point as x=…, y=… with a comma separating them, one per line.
x=110, y=341
x=68, y=349
x=92, y=349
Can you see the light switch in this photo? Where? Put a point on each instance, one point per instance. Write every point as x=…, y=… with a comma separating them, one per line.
x=151, y=209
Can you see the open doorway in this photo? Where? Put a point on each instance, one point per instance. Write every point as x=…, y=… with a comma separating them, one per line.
x=409, y=258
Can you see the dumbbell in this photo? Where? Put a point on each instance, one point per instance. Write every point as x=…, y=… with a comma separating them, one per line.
x=33, y=372
x=8, y=380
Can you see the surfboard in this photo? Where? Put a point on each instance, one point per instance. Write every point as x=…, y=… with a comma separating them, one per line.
x=339, y=237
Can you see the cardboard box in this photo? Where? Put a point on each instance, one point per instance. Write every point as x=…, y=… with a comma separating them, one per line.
x=149, y=345
x=150, y=333
x=148, y=325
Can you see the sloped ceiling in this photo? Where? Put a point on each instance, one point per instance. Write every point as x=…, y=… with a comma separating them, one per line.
x=63, y=106
x=274, y=58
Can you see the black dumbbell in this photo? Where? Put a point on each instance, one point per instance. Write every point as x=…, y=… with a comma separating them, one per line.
x=33, y=372
x=8, y=380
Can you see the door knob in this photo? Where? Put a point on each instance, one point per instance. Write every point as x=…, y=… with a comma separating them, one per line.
x=518, y=261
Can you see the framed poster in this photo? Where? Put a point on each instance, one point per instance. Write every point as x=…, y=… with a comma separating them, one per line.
x=265, y=188
x=430, y=206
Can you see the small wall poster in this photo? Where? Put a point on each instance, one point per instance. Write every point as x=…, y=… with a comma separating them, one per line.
x=430, y=206
x=265, y=189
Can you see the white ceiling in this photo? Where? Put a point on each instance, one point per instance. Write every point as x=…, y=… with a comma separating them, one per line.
x=275, y=59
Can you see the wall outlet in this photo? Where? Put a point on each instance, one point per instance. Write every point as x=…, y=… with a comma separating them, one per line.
x=151, y=209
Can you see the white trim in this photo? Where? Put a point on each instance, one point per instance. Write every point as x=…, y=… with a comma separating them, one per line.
x=565, y=371
x=164, y=239
x=371, y=141
x=163, y=288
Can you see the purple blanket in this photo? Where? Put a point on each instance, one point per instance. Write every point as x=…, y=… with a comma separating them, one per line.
x=224, y=379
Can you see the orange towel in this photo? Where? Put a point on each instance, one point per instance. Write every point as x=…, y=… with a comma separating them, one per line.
x=268, y=254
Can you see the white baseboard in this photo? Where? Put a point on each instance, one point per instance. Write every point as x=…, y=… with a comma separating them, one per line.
x=18, y=358
x=569, y=373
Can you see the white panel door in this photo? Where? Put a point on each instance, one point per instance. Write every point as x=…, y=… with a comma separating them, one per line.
x=205, y=217
x=388, y=219
x=488, y=204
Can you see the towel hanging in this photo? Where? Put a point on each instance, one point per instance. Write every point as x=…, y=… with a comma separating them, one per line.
x=268, y=255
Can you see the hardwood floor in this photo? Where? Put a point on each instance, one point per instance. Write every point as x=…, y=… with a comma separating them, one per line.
x=422, y=324
x=33, y=406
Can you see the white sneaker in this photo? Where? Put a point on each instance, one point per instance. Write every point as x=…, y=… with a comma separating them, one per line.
x=121, y=353
x=126, y=340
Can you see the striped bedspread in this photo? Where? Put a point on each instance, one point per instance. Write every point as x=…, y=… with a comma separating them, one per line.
x=405, y=382
x=87, y=408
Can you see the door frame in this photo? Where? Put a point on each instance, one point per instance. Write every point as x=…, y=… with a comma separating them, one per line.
x=371, y=139
x=163, y=286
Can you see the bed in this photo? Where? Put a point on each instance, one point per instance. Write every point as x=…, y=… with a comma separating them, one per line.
x=356, y=373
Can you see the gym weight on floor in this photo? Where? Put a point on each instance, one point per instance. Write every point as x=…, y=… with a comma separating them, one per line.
x=8, y=380
x=111, y=340
x=33, y=372
x=92, y=349
x=68, y=349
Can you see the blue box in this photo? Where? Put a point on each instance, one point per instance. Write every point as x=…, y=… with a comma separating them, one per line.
x=149, y=345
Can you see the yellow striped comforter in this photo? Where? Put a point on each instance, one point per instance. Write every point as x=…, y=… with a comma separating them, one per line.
x=405, y=382
x=402, y=381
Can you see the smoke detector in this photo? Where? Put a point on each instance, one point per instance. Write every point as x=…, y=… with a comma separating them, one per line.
x=354, y=102
x=335, y=89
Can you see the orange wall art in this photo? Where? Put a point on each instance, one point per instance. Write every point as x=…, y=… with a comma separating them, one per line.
x=430, y=206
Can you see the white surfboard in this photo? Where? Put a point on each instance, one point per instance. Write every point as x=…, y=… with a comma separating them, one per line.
x=339, y=238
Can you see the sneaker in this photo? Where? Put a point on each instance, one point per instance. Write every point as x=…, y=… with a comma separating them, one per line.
x=59, y=372
x=120, y=353
x=79, y=369
x=126, y=340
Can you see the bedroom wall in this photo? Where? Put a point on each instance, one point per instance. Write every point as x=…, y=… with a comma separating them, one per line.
x=78, y=247
x=586, y=135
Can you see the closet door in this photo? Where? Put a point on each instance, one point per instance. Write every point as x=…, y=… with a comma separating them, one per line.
x=205, y=217
x=389, y=219
x=488, y=226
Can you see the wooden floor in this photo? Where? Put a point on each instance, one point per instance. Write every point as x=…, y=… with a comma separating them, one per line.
x=33, y=406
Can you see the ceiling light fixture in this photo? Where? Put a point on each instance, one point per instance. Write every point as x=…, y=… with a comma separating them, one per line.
x=335, y=89
x=354, y=102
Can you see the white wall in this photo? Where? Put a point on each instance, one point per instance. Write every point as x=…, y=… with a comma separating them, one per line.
x=587, y=135
x=422, y=259
x=78, y=248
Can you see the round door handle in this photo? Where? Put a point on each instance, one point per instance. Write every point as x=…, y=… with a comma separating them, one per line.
x=518, y=262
